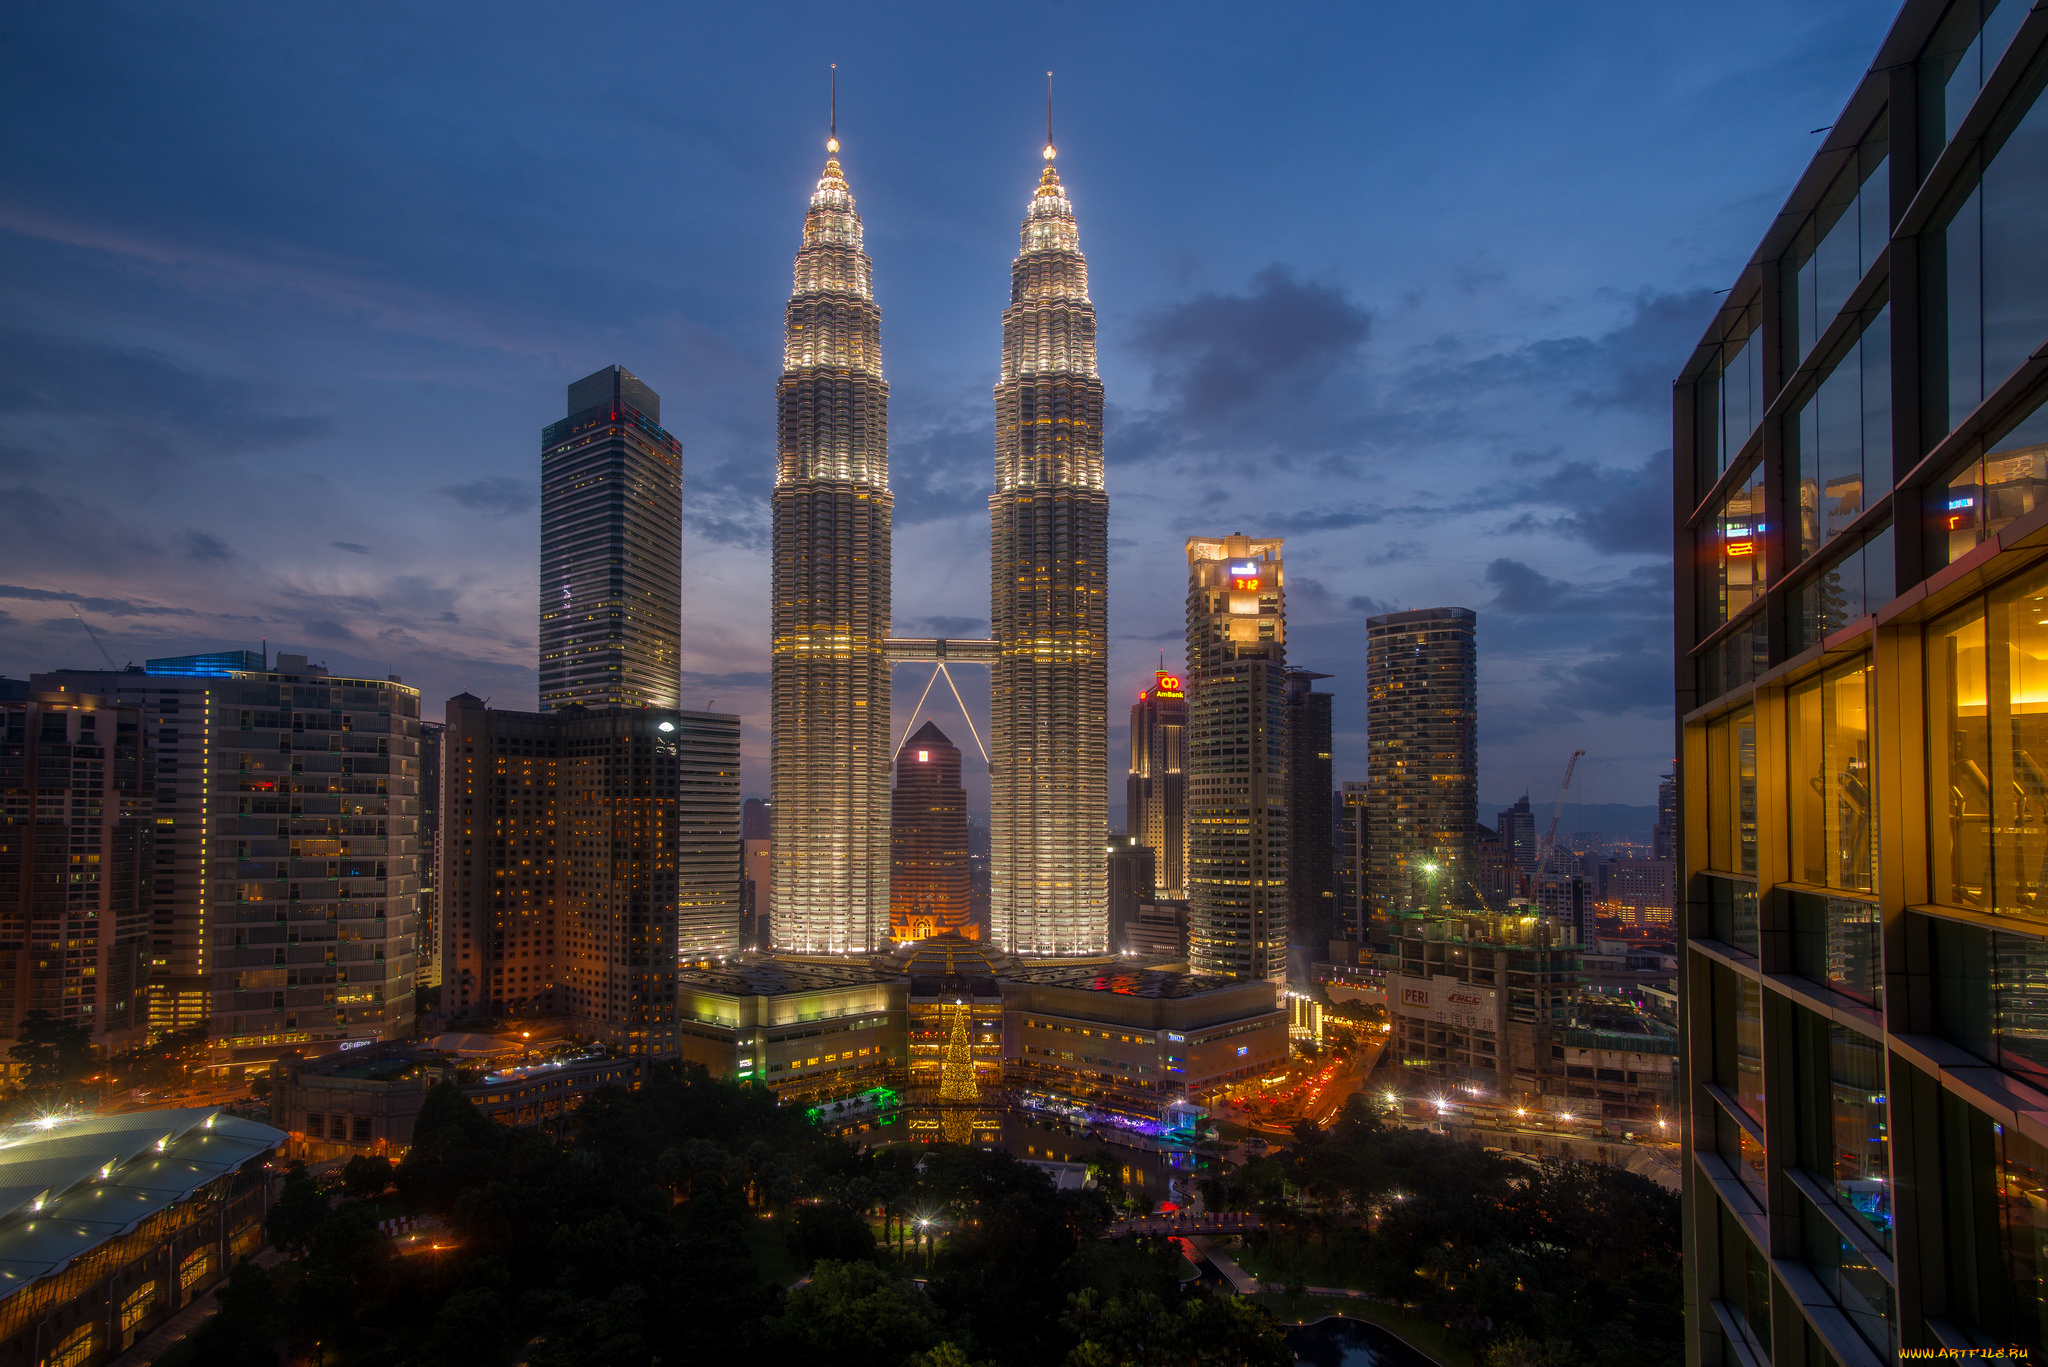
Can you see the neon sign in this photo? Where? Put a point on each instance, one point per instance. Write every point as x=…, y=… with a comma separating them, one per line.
x=1246, y=568
x=1246, y=585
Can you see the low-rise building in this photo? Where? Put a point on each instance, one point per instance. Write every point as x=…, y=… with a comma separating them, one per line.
x=366, y=1101
x=109, y=1225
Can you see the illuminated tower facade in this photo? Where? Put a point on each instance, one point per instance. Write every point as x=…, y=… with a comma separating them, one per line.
x=829, y=677
x=928, y=841
x=1237, y=758
x=611, y=554
x=1048, y=601
x=1156, y=801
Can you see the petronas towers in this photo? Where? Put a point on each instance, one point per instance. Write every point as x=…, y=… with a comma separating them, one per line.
x=832, y=652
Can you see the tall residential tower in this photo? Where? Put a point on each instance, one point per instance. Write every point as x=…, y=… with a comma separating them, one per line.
x=1237, y=758
x=829, y=673
x=1048, y=600
x=611, y=531
x=1422, y=747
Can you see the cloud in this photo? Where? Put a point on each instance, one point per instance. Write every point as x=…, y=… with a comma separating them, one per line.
x=951, y=628
x=1218, y=353
x=352, y=547
x=206, y=546
x=498, y=496
x=1367, y=606
x=941, y=466
x=146, y=399
x=113, y=607
x=1632, y=674
x=757, y=678
x=1522, y=591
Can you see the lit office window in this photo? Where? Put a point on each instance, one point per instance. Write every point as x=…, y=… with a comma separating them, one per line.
x=1833, y=820
x=1731, y=792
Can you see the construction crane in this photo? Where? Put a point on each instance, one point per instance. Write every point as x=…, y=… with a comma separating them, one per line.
x=1557, y=810
x=95, y=636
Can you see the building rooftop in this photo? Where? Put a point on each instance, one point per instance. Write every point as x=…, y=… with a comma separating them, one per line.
x=69, y=1186
x=1123, y=979
x=771, y=977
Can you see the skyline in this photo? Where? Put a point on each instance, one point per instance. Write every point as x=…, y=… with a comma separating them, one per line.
x=265, y=337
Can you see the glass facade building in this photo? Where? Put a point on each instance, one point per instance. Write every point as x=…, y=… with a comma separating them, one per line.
x=1237, y=758
x=1156, y=794
x=1422, y=766
x=611, y=533
x=1861, y=447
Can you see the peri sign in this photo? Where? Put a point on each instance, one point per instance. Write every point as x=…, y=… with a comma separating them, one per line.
x=1444, y=1000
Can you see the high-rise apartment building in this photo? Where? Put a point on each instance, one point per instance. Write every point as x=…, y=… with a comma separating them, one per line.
x=611, y=528
x=1311, y=851
x=1237, y=758
x=1133, y=880
x=1048, y=600
x=77, y=821
x=1517, y=831
x=1861, y=515
x=829, y=614
x=1664, y=834
x=1156, y=794
x=427, y=941
x=708, y=855
x=1354, y=920
x=562, y=835
x=1422, y=747
x=286, y=896
x=928, y=841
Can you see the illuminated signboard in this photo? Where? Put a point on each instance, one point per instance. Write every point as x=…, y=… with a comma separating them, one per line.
x=1167, y=686
x=924, y=757
x=1245, y=585
x=1246, y=568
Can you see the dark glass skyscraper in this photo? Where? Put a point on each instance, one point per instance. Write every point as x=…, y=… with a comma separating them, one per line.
x=928, y=841
x=1156, y=795
x=1237, y=758
x=1422, y=766
x=1048, y=600
x=1311, y=843
x=829, y=611
x=611, y=527
x=1860, y=509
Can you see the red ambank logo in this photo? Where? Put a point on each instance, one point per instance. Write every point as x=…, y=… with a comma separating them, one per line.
x=1415, y=996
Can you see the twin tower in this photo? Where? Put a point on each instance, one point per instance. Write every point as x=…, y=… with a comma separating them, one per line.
x=1048, y=599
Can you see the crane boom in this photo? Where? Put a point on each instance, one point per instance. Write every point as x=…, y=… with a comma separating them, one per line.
x=95, y=637
x=1557, y=809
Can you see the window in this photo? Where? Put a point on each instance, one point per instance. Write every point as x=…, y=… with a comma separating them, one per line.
x=1840, y=243
x=1844, y=1121
x=136, y=1305
x=194, y=1267
x=1734, y=550
x=1844, y=437
x=1731, y=395
x=1749, y=1046
x=1833, y=821
x=1988, y=740
x=1840, y=942
x=1856, y=1285
x=1991, y=996
x=1984, y=492
x=1732, y=912
x=1966, y=45
x=1990, y=283
x=1995, y=1183
x=1731, y=792
x=1855, y=585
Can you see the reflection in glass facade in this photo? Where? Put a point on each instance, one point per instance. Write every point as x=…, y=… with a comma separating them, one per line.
x=1863, y=682
x=1834, y=836
x=1845, y=431
x=1983, y=494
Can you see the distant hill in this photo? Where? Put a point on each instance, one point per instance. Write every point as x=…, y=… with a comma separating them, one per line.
x=1614, y=820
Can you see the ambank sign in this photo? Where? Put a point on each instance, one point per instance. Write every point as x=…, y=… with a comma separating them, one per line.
x=1444, y=1000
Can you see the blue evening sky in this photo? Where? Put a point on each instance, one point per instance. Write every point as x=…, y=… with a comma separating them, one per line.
x=287, y=293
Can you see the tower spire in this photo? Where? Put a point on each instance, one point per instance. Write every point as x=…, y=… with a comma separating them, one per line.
x=832, y=141
x=1048, y=117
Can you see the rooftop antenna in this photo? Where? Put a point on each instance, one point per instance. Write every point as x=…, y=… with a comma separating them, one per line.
x=95, y=637
x=1048, y=116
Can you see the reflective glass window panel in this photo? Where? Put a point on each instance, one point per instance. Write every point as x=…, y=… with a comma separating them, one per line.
x=1731, y=792
x=2017, y=669
x=1982, y=494
x=1735, y=549
x=1735, y=660
x=1731, y=397
x=1996, y=275
x=2019, y=1003
x=1995, y=1184
x=1745, y=1281
x=1853, y=586
x=1732, y=913
x=1839, y=941
x=1968, y=42
x=1959, y=760
x=1844, y=435
x=1833, y=822
x=1841, y=242
x=1862, y=1138
x=1749, y=1047
x=1855, y=1285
